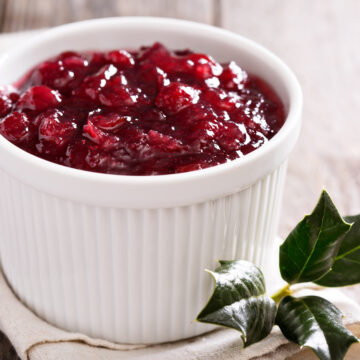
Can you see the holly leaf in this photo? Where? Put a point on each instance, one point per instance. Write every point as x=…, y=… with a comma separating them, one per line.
x=309, y=251
x=314, y=322
x=239, y=301
x=346, y=268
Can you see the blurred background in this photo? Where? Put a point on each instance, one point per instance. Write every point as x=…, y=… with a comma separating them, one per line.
x=318, y=39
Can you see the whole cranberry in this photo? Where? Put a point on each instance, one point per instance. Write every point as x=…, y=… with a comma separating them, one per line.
x=203, y=66
x=76, y=153
x=222, y=100
x=233, y=77
x=15, y=127
x=120, y=58
x=71, y=60
x=157, y=54
x=152, y=77
x=8, y=96
x=94, y=84
x=55, y=131
x=117, y=93
x=5, y=105
x=65, y=72
x=202, y=134
x=232, y=137
x=39, y=98
x=110, y=87
x=164, y=143
x=176, y=97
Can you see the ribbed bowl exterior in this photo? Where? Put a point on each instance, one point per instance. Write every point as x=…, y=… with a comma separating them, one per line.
x=130, y=275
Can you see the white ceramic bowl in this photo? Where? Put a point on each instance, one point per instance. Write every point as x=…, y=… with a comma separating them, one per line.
x=123, y=257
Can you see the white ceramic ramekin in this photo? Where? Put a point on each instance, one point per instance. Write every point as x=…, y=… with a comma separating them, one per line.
x=123, y=257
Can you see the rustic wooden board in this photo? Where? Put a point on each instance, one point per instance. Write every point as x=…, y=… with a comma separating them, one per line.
x=17, y=15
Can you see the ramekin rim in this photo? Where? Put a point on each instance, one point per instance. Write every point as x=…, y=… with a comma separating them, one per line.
x=295, y=106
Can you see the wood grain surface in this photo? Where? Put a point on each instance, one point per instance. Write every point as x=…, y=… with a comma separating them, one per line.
x=318, y=39
x=17, y=15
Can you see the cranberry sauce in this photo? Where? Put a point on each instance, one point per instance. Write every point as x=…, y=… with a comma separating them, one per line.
x=146, y=112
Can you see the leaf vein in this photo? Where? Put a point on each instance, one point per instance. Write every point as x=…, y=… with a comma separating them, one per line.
x=347, y=253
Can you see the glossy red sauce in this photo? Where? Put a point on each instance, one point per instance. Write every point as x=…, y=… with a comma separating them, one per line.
x=146, y=112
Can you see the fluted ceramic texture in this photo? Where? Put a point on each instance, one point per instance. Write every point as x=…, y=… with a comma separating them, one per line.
x=130, y=276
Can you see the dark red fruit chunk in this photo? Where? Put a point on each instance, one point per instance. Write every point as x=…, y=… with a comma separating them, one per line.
x=108, y=121
x=104, y=140
x=233, y=77
x=164, y=143
x=150, y=111
x=15, y=127
x=5, y=105
x=203, y=66
x=120, y=58
x=55, y=131
x=39, y=98
x=110, y=87
x=176, y=97
x=8, y=96
x=64, y=72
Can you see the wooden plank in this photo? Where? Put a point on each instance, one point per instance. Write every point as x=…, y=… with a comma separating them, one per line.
x=18, y=15
x=87, y=9
x=2, y=13
x=196, y=10
x=30, y=14
x=317, y=40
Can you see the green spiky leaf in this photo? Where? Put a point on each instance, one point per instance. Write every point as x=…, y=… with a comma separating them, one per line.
x=309, y=251
x=346, y=268
x=316, y=323
x=239, y=301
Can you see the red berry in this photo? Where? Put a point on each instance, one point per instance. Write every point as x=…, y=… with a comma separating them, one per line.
x=233, y=77
x=111, y=88
x=5, y=105
x=39, y=98
x=176, y=97
x=152, y=77
x=116, y=93
x=55, y=131
x=164, y=143
x=121, y=58
x=203, y=134
x=8, y=96
x=231, y=137
x=222, y=100
x=93, y=84
x=203, y=66
x=157, y=54
x=16, y=127
x=63, y=73
x=109, y=121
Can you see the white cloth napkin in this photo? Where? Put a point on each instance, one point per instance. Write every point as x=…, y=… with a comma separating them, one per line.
x=34, y=339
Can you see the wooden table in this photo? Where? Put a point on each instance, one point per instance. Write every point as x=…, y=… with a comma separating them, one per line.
x=319, y=41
